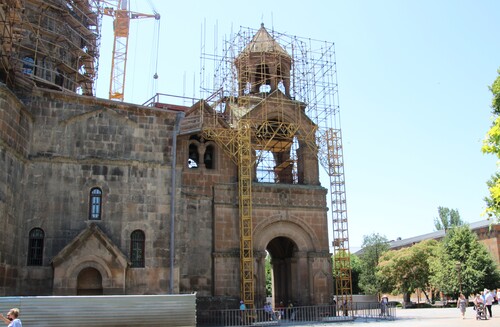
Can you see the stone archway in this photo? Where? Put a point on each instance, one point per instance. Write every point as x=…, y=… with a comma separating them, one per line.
x=89, y=282
x=298, y=258
x=90, y=262
x=281, y=250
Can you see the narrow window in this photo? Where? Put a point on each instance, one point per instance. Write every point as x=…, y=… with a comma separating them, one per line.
x=265, y=165
x=194, y=158
x=137, y=248
x=208, y=157
x=35, y=247
x=95, y=203
x=28, y=63
x=59, y=78
x=263, y=78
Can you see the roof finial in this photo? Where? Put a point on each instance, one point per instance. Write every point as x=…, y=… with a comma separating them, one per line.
x=261, y=24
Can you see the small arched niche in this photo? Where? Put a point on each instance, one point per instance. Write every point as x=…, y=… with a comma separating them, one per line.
x=89, y=282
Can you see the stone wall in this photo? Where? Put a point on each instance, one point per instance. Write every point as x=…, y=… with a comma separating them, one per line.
x=82, y=142
x=15, y=130
x=64, y=145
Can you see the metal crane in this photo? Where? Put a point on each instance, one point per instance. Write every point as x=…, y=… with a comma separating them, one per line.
x=121, y=14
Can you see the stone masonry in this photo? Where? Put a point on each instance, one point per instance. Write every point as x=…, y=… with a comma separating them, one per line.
x=102, y=197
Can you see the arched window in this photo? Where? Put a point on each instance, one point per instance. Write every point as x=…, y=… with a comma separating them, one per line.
x=35, y=247
x=208, y=157
x=137, y=239
x=280, y=79
x=265, y=172
x=95, y=204
x=194, y=158
x=244, y=83
x=263, y=78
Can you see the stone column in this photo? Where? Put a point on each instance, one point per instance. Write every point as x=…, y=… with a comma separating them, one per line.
x=260, y=280
x=300, y=280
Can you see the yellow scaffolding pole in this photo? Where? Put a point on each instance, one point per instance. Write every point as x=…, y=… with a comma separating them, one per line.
x=237, y=143
x=245, y=164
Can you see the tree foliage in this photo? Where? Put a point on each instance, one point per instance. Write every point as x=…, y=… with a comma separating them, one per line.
x=405, y=270
x=461, y=261
x=447, y=218
x=493, y=201
x=355, y=271
x=373, y=247
x=269, y=272
x=491, y=145
x=495, y=90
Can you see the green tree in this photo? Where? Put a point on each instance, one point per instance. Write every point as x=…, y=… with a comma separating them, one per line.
x=491, y=145
x=462, y=262
x=405, y=270
x=447, y=218
x=373, y=247
x=269, y=271
x=355, y=271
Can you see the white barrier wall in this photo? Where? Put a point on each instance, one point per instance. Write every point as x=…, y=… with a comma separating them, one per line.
x=112, y=310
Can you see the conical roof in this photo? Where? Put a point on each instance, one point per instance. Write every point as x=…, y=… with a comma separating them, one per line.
x=262, y=41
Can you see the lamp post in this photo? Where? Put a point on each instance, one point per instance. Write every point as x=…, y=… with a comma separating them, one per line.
x=458, y=266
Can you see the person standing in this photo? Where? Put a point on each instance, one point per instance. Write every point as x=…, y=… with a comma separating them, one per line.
x=345, y=308
x=290, y=313
x=12, y=319
x=268, y=310
x=281, y=310
x=243, y=308
x=462, y=304
x=488, y=301
x=384, y=302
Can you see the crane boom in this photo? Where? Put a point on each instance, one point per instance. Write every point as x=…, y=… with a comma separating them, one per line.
x=121, y=25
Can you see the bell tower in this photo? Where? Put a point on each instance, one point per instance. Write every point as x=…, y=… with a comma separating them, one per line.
x=263, y=66
x=272, y=123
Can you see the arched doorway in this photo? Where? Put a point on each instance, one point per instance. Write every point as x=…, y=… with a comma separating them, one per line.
x=89, y=282
x=282, y=249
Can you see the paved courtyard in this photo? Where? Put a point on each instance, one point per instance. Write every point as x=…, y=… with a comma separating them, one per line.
x=436, y=317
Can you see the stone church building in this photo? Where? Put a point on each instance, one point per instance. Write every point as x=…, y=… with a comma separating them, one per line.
x=104, y=197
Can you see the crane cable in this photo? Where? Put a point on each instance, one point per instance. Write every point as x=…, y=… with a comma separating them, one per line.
x=156, y=46
x=152, y=86
x=155, y=52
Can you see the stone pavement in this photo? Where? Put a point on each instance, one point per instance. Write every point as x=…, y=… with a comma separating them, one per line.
x=432, y=317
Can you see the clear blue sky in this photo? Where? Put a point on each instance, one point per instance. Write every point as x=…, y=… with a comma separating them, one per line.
x=413, y=86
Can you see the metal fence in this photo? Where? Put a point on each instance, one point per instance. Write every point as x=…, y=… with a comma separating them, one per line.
x=295, y=315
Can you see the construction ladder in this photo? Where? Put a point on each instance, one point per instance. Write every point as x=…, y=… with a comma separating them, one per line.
x=342, y=262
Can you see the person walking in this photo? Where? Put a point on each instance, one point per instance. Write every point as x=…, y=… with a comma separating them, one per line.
x=488, y=301
x=12, y=319
x=462, y=304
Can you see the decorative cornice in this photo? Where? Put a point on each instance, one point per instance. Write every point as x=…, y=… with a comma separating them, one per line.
x=232, y=254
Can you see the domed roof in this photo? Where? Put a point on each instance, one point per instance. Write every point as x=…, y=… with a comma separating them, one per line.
x=262, y=41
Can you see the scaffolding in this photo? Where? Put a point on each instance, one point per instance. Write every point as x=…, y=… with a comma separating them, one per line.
x=50, y=43
x=254, y=102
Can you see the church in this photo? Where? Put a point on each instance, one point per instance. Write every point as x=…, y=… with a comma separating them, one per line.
x=105, y=197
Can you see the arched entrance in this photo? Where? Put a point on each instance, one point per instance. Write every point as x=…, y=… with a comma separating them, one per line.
x=89, y=282
x=282, y=249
